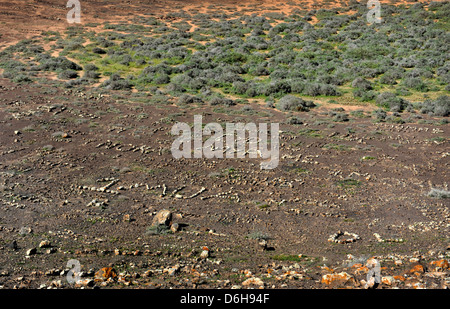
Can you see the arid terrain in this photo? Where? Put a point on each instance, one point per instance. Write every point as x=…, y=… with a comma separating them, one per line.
x=87, y=173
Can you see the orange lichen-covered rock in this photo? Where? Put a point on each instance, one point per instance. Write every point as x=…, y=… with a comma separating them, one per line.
x=388, y=280
x=105, y=273
x=361, y=270
x=326, y=268
x=292, y=274
x=399, y=278
x=341, y=277
x=357, y=265
x=440, y=264
x=417, y=270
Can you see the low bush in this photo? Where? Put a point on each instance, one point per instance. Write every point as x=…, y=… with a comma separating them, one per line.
x=340, y=117
x=294, y=120
x=115, y=82
x=415, y=83
x=189, y=99
x=380, y=115
x=48, y=63
x=216, y=100
x=316, y=89
x=362, y=84
x=68, y=74
x=439, y=107
x=391, y=102
x=98, y=50
x=293, y=103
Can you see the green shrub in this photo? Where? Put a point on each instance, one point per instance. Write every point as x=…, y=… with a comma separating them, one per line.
x=221, y=101
x=438, y=193
x=68, y=74
x=439, y=107
x=293, y=103
x=391, y=102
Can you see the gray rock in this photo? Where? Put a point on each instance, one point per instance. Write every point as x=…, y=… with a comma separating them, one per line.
x=13, y=245
x=25, y=230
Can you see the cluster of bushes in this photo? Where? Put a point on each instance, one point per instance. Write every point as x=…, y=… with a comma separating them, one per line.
x=392, y=102
x=438, y=107
x=251, y=56
x=115, y=82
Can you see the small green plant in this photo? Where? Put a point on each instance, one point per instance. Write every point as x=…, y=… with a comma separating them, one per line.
x=259, y=235
x=158, y=229
x=348, y=183
x=366, y=158
x=439, y=193
x=311, y=133
x=284, y=257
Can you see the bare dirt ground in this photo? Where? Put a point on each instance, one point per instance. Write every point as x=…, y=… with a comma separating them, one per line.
x=82, y=176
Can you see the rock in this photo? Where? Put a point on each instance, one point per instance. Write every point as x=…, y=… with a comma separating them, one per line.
x=50, y=250
x=175, y=227
x=25, y=230
x=370, y=284
x=44, y=244
x=31, y=251
x=253, y=281
x=341, y=277
x=57, y=284
x=262, y=244
x=440, y=265
x=105, y=273
x=388, y=280
x=415, y=284
x=52, y=272
x=163, y=217
x=172, y=270
x=48, y=148
x=205, y=253
x=85, y=282
x=60, y=135
x=398, y=262
x=417, y=270
x=13, y=245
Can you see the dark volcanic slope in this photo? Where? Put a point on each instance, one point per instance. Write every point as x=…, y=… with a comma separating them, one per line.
x=84, y=169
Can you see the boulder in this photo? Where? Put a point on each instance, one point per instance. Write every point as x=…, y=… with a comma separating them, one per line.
x=163, y=217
